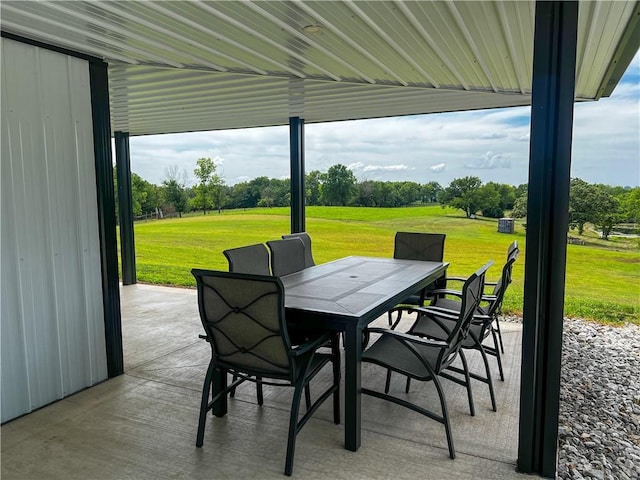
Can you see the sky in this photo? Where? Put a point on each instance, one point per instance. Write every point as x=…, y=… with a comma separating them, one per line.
x=490, y=144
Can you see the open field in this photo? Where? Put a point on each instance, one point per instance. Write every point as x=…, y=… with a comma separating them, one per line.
x=603, y=278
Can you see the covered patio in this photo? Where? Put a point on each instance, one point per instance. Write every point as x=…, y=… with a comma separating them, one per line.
x=142, y=424
x=139, y=68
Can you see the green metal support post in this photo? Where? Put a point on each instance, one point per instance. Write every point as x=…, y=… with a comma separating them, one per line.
x=554, y=60
x=296, y=142
x=106, y=216
x=125, y=213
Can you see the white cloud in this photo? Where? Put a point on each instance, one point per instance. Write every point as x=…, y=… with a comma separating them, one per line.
x=438, y=168
x=490, y=160
x=385, y=168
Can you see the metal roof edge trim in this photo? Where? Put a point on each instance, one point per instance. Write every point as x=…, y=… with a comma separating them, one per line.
x=48, y=46
x=627, y=49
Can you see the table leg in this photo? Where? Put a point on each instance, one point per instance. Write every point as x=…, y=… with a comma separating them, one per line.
x=352, y=405
x=219, y=384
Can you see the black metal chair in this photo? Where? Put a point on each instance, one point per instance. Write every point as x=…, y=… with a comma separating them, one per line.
x=416, y=246
x=513, y=251
x=252, y=259
x=244, y=317
x=481, y=325
x=306, y=240
x=427, y=360
x=287, y=256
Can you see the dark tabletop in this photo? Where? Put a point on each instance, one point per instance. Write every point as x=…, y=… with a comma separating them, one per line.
x=356, y=286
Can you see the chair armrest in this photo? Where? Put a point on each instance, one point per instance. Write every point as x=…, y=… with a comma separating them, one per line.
x=479, y=319
x=409, y=338
x=444, y=291
x=438, y=311
x=489, y=298
x=311, y=345
x=457, y=279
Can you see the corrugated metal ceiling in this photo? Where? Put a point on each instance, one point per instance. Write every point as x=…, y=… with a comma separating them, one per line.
x=179, y=66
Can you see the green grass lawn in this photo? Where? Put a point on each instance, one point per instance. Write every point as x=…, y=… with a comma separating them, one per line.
x=603, y=278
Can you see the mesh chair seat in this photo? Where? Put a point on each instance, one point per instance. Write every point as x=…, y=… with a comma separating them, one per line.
x=391, y=354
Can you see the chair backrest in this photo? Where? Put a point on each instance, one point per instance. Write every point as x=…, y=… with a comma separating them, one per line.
x=287, y=256
x=250, y=259
x=513, y=249
x=419, y=246
x=501, y=285
x=306, y=240
x=471, y=296
x=243, y=317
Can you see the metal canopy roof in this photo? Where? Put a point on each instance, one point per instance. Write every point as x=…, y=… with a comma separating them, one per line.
x=177, y=66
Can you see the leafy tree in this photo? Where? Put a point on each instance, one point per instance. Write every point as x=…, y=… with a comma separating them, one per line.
x=205, y=172
x=520, y=205
x=241, y=195
x=430, y=192
x=217, y=191
x=338, y=188
x=608, y=212
x=594, y=204
x=313, y=184
x=582, y=204
x=173, y=190
x=463, y=193
x=490, y=201
x=630, y=204
x=139, y=192
x=409, y=192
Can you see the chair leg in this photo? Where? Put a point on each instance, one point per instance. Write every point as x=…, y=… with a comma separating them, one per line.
x=445, y=417
x=489, y=379
x=232, y=392
x=259, y=391
x=472, y=409
x=388, y=382
x=499, y=335
x=204, y=403
x=497, y=353
x=335, y=360
x=293, y=428
x=307, y=396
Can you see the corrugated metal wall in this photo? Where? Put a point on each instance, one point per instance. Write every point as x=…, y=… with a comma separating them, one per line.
x=52, y=323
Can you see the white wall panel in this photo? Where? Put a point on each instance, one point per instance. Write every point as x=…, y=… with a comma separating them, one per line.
x=52, y=323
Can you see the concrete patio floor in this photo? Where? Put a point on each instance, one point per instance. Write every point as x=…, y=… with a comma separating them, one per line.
x=142, y=425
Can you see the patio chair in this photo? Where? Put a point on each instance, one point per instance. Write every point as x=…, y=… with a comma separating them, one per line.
x=306, y=240
x=252, y=259
x=513, y=251
x=244, y=318
x=428, y=360
x=287, y=256
x=416, y=246
x=481, y=326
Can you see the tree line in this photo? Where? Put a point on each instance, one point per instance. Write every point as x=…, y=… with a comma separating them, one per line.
x=601, y=205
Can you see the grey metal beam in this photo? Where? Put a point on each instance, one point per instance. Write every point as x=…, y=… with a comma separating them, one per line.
x=106, y=217
x=125, y=213
x=554, y=61
x=296, y=142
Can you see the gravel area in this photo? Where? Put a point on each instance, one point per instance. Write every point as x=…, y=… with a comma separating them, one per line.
x=599, y=424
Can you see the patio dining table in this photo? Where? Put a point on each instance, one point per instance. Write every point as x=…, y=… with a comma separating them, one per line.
x=346, y=295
